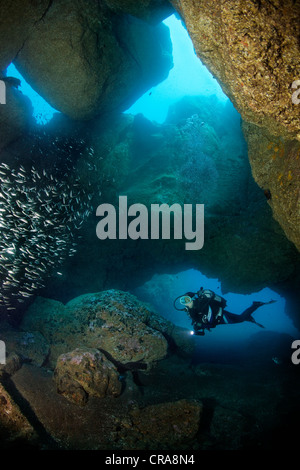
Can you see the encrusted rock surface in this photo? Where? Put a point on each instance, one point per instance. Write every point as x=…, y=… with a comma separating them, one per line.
x=17, y=20
x=253, y=48
x=85, y=372
x=29, y=346
x=86, y=58
x=12, y=364
x=114, y=322
x=119, y=324
x=15, y=429
x=275, y=163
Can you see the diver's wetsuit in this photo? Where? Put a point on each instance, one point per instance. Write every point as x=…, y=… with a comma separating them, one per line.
x=208, y=312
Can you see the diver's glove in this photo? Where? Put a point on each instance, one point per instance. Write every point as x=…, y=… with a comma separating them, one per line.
x=199, y=333
x=200, y=292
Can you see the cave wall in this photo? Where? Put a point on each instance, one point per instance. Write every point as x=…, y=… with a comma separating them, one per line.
x=252, y=48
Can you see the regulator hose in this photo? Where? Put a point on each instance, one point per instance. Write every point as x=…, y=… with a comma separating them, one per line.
x=176, y=308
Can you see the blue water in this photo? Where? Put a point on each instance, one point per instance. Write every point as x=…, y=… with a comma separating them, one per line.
x=163, y=289
x=188, y=77
x=42, y=111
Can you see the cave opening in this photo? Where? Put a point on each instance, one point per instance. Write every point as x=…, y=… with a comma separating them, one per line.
x=226, y=343
x=189, y=77
x=42, y=111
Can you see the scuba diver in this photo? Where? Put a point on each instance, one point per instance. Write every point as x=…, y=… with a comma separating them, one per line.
x=206, y=310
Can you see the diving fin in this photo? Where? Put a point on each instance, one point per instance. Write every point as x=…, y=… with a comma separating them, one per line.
x=251, y=319
x=260, y=304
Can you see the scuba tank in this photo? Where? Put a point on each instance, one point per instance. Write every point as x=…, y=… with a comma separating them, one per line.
x=210, y=295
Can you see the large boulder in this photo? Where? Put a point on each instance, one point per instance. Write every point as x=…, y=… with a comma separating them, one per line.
x=29, y=346
x=12, y=364
x=120, y=325
x=115, y=322
x=15, y=429
x=85, y=372
x=84, y=59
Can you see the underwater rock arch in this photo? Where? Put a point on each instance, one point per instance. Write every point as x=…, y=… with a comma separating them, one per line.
x=263, y=96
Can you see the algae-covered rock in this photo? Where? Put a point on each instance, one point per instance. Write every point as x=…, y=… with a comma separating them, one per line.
x=48, y=317
x=12, y=364
x=29, y=346
x=55, y=323
x=111, y=321
x=15, y=429
x=85, y=372
x=252, y=48
x=275, y=163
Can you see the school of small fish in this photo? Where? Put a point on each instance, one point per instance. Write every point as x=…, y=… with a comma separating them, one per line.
x=39, y=215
